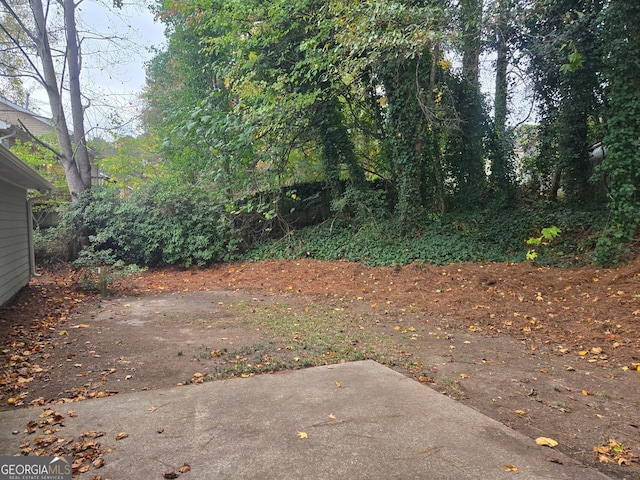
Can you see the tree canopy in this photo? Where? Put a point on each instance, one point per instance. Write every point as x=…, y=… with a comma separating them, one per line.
x=385, y=103
x=259, y=94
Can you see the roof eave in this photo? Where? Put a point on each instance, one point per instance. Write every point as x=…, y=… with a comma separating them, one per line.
x=15, y=171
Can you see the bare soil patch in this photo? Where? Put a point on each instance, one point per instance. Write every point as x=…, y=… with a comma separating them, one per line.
x=550, y=352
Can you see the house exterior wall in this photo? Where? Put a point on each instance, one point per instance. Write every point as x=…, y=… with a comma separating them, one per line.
x=14, y=240
x=11, y=113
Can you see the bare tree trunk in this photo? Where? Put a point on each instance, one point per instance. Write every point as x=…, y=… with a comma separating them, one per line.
x=50, y=82
x=77, y=110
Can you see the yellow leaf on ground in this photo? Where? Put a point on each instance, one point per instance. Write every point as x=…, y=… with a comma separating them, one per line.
x=332, y=416
x=511, y=468
x=302, y=435
x=522, y=413
x=546, y=442
x=122, y=435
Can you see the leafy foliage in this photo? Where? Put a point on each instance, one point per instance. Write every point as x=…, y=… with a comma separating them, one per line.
x=160, y=224
x=250, y=98
x=621, y=167
x=448, y=238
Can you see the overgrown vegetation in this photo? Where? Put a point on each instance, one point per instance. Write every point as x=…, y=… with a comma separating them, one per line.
x=381, y=103
x=448, y=238
x=159, y=226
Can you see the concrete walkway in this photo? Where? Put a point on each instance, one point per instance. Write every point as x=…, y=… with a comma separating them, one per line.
x=361, y=420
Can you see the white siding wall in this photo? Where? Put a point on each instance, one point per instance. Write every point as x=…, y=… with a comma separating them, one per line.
x=14, y=241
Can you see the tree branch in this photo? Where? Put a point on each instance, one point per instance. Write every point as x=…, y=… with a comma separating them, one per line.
x=22, y=51
x=40, y=142
x=22, y=25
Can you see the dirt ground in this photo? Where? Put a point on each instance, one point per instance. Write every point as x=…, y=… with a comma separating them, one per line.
x=550, y=352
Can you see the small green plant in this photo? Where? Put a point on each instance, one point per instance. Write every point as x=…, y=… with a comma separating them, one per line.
x=547, y=236
x=450, y=387
x=101, y=269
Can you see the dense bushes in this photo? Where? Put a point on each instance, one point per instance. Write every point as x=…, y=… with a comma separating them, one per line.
x=451, y=238
x=164, y=224
x=157, y=225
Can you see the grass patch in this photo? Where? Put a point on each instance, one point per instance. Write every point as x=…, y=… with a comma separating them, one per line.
x=296, y=337
x=450, y=387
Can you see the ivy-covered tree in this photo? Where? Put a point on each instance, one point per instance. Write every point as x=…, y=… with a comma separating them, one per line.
x=466, y=149
x=620, y=37
x=503, y=36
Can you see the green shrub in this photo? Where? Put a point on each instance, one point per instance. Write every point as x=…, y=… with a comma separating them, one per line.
x=450, y=238
x=160, y=224
x=53, y=245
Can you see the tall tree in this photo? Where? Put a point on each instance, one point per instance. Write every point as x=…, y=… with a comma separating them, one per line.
x=56, y=65
x=12, y=63
x=620, y=36
x=502, y=151
x=561, y=39
x=469, y=162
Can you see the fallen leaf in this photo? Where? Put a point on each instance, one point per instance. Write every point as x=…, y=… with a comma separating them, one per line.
x=615, y=452
x=184, y=468
x=546, y=442
x=302, y=434
x=511, y=468
x=121, y=436
x=171, y=474
x=585, y=393
x=332, y=416
x=464, y=375
x=98, y=462
x=160, y=430
x=522, y=413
